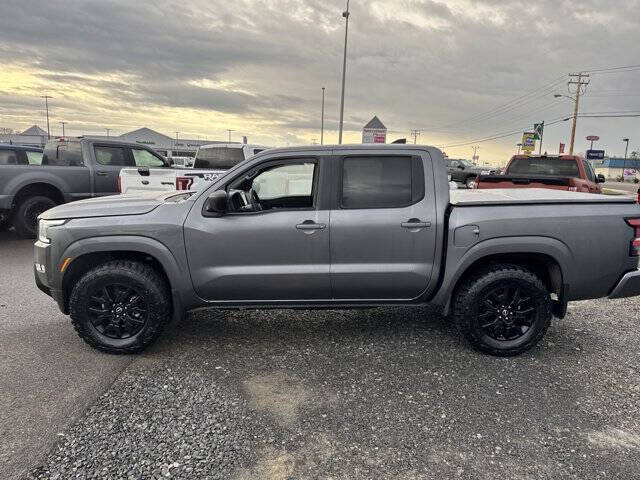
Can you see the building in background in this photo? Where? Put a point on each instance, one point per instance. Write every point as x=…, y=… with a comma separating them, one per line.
x=374, y=131
x=612, y=167
x=161, y=143
x=32, y=137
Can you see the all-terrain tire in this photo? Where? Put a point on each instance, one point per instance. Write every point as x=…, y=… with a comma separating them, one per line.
x=142, y=279
x=470, y=300
x=470, y=181
x=24, y=218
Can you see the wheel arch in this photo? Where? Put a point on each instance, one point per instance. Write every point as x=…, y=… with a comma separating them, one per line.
x=88, y=253
x=39, y=188
x=546, y=257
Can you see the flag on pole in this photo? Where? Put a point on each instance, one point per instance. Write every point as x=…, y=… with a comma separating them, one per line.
x=538, y=129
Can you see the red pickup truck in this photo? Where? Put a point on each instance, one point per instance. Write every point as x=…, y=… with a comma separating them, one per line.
x=559, y=172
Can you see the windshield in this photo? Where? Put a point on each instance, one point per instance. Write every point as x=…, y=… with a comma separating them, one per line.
x=218, y=157
x=544, y=166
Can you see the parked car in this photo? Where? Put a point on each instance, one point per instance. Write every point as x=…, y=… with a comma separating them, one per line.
x=210, y=162
x=337, y=227
x=560, y=172
x=16, y=155
x=465, y=172
x=68, y=169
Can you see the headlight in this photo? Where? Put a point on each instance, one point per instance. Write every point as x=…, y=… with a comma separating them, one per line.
x=43, y=229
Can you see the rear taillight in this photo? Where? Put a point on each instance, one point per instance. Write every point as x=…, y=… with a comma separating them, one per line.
x=573, y=189
x=184, y=183
x=638, y=195
x=634, y=249
x=119, y=183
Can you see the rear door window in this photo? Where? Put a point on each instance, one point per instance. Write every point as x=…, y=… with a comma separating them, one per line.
x=112, y=156
x=9, y=157
x=381, y=182
x=144, y=158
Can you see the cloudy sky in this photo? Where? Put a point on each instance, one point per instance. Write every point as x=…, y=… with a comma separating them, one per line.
x=460, y=71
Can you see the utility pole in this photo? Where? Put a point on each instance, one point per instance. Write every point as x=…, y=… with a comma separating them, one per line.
x=108, y=130
x=580, y=82
x=229, y=130
x=475, y=154
x=345, y=14
x=415, y=134
x=322, y=120
x=63, y=124
x=46, y=105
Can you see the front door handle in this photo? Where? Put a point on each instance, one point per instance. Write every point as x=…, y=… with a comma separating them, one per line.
x=101, y=173
x=310, y=226
x=415, y=223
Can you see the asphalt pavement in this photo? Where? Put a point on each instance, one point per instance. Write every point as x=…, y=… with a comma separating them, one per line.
x=383, y=393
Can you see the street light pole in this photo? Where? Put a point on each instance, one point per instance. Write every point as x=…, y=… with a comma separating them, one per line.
x=322, y=120
x=345, y=14
x=63, y=124
x=46, y=105
x=229, y=130
x=626, y=150
x=108, y=130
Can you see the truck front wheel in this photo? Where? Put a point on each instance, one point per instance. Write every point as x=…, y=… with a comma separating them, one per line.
x=503, y=310
x=120, y=306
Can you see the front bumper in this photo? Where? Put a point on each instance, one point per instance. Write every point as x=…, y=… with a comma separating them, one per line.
x=627, y=286
x=44, y=276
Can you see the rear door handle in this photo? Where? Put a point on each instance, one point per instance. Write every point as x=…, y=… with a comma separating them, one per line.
x=101, y=173
x=415, y=223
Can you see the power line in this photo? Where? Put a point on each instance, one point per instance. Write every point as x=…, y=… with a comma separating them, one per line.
x=613, y=69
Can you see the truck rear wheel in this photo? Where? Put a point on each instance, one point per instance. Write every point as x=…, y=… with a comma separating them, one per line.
x=503, y=310
x=120, y=306
x=470, y=182
x=25, y=217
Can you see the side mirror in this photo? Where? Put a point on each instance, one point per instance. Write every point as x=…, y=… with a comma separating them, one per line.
x=600, y=178
x=216, y=204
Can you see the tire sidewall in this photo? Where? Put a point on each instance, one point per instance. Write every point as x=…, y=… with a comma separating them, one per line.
x=22, y=226
x=154, y=297
x=469, y=308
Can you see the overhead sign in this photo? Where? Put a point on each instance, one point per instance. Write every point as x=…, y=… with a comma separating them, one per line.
x=593, y=138
x=528, y=141
x=595, y=154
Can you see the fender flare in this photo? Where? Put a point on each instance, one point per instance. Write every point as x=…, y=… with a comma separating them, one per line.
x=548, y=246
x=139, y=244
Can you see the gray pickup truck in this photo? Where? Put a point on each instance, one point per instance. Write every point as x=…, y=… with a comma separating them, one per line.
x=337, y=227
x=71, y=169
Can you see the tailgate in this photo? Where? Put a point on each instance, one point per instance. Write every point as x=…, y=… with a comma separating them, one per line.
x=523, y=181
x=144, y=179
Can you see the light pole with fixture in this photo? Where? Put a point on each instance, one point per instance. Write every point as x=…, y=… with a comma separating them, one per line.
x=626, y=150
x=322, y=120
x=345, y=14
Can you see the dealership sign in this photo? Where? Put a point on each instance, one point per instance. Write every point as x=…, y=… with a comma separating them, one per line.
x=374, y=132
x=595, y=154
x=528, y=141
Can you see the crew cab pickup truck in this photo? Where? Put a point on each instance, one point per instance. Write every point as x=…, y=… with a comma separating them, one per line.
x=68, y=169
x=337, y=227
x=560, y=172
x=210, y=162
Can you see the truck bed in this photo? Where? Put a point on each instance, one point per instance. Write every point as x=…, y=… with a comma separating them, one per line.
x=508, y=196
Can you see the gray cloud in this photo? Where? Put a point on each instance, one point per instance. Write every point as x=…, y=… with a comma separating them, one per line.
x=416, y=63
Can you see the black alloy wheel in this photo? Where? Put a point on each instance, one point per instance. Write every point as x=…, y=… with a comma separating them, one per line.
x=507, y=313
x=117, y=311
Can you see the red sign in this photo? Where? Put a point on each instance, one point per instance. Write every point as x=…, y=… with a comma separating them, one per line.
x=593, y=138
x=561, y=149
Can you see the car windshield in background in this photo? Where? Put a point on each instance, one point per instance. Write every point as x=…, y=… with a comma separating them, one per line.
x=218, y=157
x=544, y=166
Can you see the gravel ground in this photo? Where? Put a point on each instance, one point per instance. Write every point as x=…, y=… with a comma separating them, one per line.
x=384, y=393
